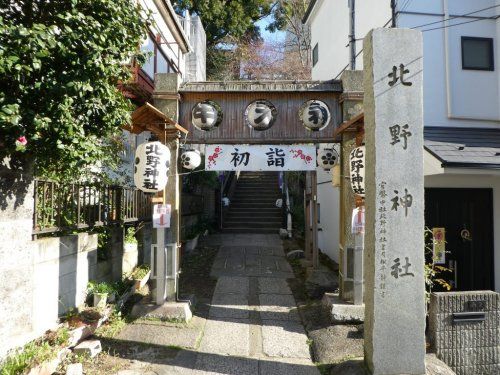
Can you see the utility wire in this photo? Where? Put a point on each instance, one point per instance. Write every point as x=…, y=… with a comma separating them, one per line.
x=436, y=28
x=462, y=23
x=460, y=16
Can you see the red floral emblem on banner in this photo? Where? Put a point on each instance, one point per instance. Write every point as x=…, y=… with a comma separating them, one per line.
x=212, y=159
x=300, y=154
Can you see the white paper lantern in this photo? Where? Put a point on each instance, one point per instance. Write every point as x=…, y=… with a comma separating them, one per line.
x=191, y=159
x=327, y=158
x=315, y=115
x=152, y=162
x=357, y=170
x=260, y=114
x=206, y=115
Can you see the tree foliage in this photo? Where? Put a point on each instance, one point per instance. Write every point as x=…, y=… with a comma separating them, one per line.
x=224, y=19
x=60, y=64
x=235, y=48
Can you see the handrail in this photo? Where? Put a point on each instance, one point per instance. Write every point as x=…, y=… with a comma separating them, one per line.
x=60, y=207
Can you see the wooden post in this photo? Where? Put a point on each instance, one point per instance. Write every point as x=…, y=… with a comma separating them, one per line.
x=307, y=208
x=314, y=218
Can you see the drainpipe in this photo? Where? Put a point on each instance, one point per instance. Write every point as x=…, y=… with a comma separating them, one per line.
x=352, y=33
x=393, y=9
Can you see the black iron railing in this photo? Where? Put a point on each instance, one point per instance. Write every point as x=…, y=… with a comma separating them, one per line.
x=61, y=207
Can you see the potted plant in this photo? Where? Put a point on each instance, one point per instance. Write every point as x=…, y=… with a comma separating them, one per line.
x=130, y=242
x=140, y=275
x=100, y=292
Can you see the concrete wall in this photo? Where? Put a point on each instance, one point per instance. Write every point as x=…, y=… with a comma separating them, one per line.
x=328, y=199
x=477, y=181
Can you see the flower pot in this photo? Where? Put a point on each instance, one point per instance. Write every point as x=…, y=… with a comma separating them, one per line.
x=138, y=284
x=129, y=247
x=191, y=244
x=100, y=300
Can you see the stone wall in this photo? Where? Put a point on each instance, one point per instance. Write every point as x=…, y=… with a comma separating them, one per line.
x=467, y=346
x=16, y=253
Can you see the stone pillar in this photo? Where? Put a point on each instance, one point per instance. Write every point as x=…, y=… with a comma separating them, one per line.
x=394, y=240
x=166, y=100
x=16, y=252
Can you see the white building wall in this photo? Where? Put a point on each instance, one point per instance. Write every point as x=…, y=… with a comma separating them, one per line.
x=329, y=215
x=476, y=181
x=169, y=46
x=330, y=30
x=452, y=96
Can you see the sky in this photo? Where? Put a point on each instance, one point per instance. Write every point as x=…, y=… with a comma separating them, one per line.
x=268, y=36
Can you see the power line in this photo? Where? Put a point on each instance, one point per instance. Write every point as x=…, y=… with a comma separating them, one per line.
x=454, y=17
x=436, y=28
x=462, y=23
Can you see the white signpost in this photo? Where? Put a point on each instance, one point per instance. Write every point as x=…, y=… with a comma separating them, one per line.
x=161, y=215
x=260, y=157
x=394, y=240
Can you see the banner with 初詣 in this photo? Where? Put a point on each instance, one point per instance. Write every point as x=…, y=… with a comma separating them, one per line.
x=260, y=157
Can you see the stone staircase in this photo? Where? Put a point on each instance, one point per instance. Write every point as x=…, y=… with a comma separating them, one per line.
x=253, y=206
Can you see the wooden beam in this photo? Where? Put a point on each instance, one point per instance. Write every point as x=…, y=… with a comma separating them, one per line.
x=347, y=125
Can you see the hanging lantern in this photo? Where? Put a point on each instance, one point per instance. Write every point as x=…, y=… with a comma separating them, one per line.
x=191, y=159
x=327, y=158
x=152, y=161
x=315, y=115
x=206, y=115
x=260, y=114
x=357, y=170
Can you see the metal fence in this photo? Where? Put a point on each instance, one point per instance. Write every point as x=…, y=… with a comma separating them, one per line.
x=60, y=207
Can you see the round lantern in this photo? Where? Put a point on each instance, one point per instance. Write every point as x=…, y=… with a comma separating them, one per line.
x=206, y=115
x=315, y=115
x=357, y=170
x=327, y=158
x=191, y=159
x=260, y=114
x=152, y=161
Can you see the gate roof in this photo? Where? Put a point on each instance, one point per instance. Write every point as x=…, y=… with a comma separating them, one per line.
x=234, y=97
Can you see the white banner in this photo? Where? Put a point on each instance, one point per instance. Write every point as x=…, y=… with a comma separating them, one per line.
x=260, y=158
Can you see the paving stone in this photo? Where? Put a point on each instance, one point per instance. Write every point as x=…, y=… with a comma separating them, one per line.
x=158, y=334
x=285, y=339
x=278, y=307
x=229, y=306
x=270, y=285
x=74, y=369
x=89, y=348
x=226, y=337
x=232, y=285
x=290, y=367
x=217, y=364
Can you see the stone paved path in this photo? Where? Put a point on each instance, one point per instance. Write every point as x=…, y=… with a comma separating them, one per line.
x=253, y=327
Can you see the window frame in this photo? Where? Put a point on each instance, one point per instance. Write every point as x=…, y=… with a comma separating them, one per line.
x=315, y=54
x=491, y=67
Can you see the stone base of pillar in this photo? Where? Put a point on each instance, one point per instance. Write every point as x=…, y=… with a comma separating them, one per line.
x=356, y=366
x=341, y=311
x=169, y=311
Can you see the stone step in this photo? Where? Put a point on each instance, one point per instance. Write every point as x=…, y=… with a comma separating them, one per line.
x=252, y=209
x=253, y=224
x=253, y=205
x=250, y=230
x=246, y=219
x=269, y=200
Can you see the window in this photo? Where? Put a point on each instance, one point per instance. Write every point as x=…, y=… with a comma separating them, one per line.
x=477, y=53
x=315, y=54
x=157, y=62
